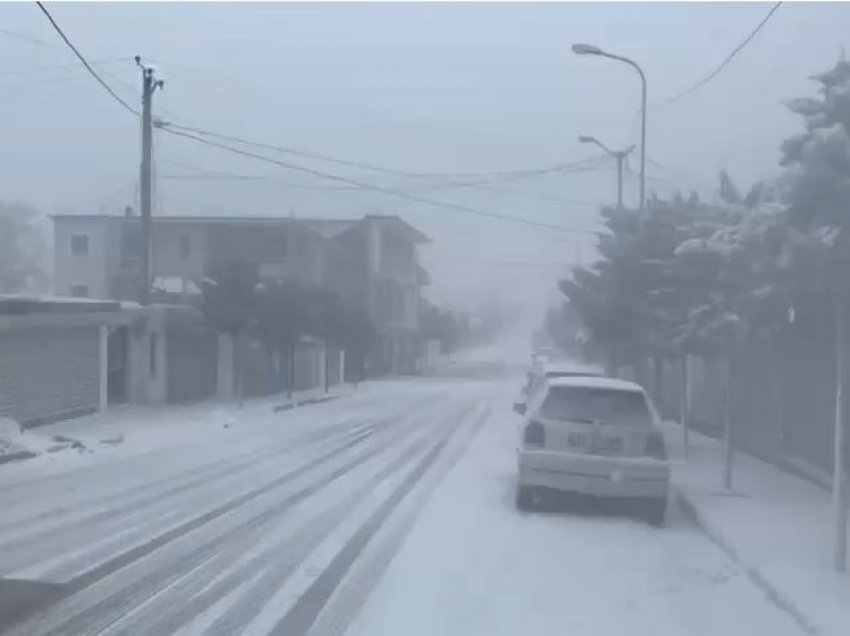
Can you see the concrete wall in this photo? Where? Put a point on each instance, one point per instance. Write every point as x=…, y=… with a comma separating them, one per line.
x=147, y=365
x=308, y=366
x=90, y=269
x=169, y=259
x=191, y=364
x=49, y=374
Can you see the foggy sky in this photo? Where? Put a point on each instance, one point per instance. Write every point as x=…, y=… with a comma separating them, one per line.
x=430, y=88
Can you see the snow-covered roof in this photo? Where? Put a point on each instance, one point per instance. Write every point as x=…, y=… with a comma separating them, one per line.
x=595, y=382
x=13, y=304
x=330, y=228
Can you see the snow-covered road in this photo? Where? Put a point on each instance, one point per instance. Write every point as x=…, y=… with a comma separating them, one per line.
x=388, y=512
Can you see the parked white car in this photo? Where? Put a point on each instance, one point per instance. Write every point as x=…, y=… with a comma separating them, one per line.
x=596, y=436
x=546, y=371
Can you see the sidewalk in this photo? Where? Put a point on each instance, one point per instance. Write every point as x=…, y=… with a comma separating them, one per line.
x=777, y=525
x=143, y=428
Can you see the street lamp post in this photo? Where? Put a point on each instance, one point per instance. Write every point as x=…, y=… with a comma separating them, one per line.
x=589, y=49
x=619, y=155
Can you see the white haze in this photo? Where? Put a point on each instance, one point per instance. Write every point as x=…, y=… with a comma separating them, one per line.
x=430, y=88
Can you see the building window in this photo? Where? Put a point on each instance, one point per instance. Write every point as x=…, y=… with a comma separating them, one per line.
x=80, y=244
x=152, y=356
x=80, y=291
x=185, y=246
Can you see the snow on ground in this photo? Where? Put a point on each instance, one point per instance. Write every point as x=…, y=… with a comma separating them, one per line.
x=474, y=565
x=254, y=517
x=779, y=525
x=130, y=430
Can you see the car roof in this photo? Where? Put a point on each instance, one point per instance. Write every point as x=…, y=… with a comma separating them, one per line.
x=596, y=382
x=571, y=367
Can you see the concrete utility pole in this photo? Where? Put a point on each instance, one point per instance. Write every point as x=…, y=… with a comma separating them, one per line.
x=839, y=476
x=619, y=155
x=149, y=86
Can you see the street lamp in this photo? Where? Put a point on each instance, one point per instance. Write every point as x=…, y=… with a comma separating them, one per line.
x=619, y=155
x=589, y=49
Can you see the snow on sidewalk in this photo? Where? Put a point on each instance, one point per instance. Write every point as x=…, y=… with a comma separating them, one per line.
x=777, y=525
x=132, y=429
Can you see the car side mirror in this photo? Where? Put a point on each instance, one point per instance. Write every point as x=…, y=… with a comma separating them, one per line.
x=519, y=407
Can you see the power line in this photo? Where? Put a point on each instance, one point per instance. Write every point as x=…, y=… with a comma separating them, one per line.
x=496, y=175
x=206, y=174
x=202, y=174
x=725, y=62
x=376, y=188
x=83, y=60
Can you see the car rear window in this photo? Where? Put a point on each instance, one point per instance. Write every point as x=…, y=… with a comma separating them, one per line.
x=598, y=405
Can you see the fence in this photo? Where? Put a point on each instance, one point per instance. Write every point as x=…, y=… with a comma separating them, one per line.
x=782, y=400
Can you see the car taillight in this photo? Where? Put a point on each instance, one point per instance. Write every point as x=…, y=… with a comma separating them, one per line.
x=655, y=445
x=535, y=434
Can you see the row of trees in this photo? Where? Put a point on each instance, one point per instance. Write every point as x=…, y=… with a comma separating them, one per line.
x=23, y=249
x=696, y=277
x=450, y=328
x=236, y=302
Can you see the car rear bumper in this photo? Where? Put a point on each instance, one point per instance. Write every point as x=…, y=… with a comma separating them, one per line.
x=594, y=475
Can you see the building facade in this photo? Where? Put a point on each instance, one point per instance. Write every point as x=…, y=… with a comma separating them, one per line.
x=98, y=256
x=62, y=358
x=371, y=262
x=374, y=262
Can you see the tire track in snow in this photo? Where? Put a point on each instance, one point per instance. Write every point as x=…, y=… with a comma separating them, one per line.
x=304, y=613
x=204, y=471
x=26, y=551
x=260, y=594
x=50, y=544
x=81, y=621
x=270, y=568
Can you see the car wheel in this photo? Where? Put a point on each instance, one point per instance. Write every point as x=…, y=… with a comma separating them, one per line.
x=527, y=498
x=654, y=511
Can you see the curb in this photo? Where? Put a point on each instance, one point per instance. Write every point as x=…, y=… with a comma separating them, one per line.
x=24, y=455
x=304, y=402
x=774, y=595
x=12, y=457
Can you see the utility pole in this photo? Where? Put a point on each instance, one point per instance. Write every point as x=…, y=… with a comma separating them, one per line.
x=619, y=155
x=839, y=475
x=149, y=86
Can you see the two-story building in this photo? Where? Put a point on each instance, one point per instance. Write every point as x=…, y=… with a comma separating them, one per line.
x=98, y=256
x=372, y=261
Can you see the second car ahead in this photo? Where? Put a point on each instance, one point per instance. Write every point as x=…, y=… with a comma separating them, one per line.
x=595, y=436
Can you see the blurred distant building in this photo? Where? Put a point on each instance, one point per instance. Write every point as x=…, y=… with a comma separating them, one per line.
x=372, y=262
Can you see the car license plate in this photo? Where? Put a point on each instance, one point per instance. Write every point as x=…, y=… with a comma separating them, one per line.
x=606, y=444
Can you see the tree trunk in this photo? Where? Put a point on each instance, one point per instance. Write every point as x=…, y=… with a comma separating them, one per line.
x=290, y=384
x=238, y=363
x=839, y=481
x=658, y=383
x=327, y=367
x=729, y=450
x=610, y=368
x=685, y=404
